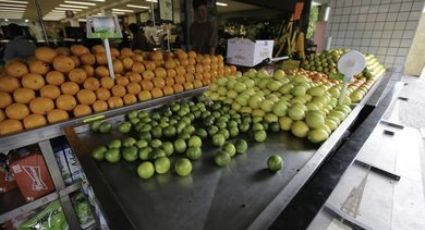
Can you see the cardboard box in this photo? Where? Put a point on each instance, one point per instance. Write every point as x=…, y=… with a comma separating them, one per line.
x=32, y=176
x=244, y=52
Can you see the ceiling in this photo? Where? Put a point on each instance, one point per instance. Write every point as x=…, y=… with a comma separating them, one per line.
x=55, y=9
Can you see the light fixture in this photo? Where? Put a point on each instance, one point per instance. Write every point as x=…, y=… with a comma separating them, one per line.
x=82, y=20
x=11, y=9
x=154, y=1
x=81, y=3
x=12, y=5
x=97, y=0
x=315, y=3
x=6, y=20
x=137, y=6
x=73, y=6
x=14, y=1
x=221, y=4
x=71, y=9
x=61, y=11
x=118, y=12
x=26, y=20
x=123, y=10
x=327, y=12
x=16, y=11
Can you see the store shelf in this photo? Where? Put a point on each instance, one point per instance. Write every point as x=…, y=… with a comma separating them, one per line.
x=13, y=204
x=241, y=196
x=18, y=140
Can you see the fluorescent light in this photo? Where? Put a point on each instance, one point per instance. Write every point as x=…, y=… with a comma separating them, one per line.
x=81, y=3
x=82, y=20
x=221, y=4
x=26, y=20
x=73, y=6
x=6, y=20
x=59, y=11
x=423, y=10
x=138, y=6
x=12, y=11
x=97, y=0
x=327, y=12
x=13, y=1
x=314, y=3
x=154, y=1
x=61, y=8
x=9, y=8
x=118, y=12
x=123, y=10
x=12, y=5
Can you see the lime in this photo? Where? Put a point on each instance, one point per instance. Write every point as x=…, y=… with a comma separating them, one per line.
x=144, y=153
x=156, y=143
x=257, y=126
x=145, y=136
x=260, y=136
x=132, y=114
x=202, y=133
x=105, y=127
x=244, y=127
x=218, y=139
x=134, y=121
x=212, y=130
x=168, y=148
x=222, y=158
x=274, y=127
x=99, y=153
x=145, y=170
x=130, y=153
x=112, y=155
x=234, y=131
x=129, y=141
x=116, y=143
x=194, y=153
x=162, y=165
x=230, y=149
x=94, y=127
x=180, y=145
x=274, y=163
x=170, y=131
x=141, y=143
x=156, y=132
x=189, y=129
x=195, y=141
x=185, y=136
x=157, y=153
x=241, y=146
x=225, y=133
x=124, y=127
x=183, y=167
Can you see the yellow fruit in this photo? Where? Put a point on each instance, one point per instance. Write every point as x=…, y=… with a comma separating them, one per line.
x=86, y=97
x=57, y=115
x=5, y=100
x=10, y=126
x=17, y=111
x=34, y=121
x=9, y=84
x=41, y=105
x=16, y=69
x=23, y=95
x=82, y=110
x=45, y=54
x=63, y=64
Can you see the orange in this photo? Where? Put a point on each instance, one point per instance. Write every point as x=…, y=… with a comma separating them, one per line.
x=86, y=97
x=102, y=71
x=34, y=121
x=88, y=59
x=189, y=77
x=122, y=80
x=134, y=88
x=103, y=94
x=57, y=115
x=197, y=84
x=206, y=82
x=55, y=78
x=168, y=90
x=98, y=49
x=191, y=54
x=159, y=82
x=178, y=88
x=16, y=69
x=190, y=69
x=233, y=69
x=118, y=90
x=89, y=70
x=41, y=105
x=79, y=50
x=180, y=79
x=145, y=95
x=107, y=82
x=169, y=81
x=188, y=86
x=10, y=126
x=147, y=85
x=171, y=73
x=45, y=54
x=17, y=111
x=9, y=84
x=39, y=67
x=63, y=51
x=206, y=75
x=115, y=52
x=191, y=61
x=199, y=68
x=227, y=70
x=134, y=77
x=129, y=99
x=184, y=62
x=118, y=66
x=82, y=110
x=5, y=100
x=138, y=67
x=214, y=66
x=50, y=91
x=63, y=64
x=2, y=115
x=156, y=55
x=115, y=102
x=66, y=102
x=148, y=75
x=138, y=58
x=167, y=55
x=199, y=76
x=170, y=64
x=181, y=54
x=214, y=59
x=157, y=92
x=127, y=62
x=77, y=75
x=76, y=60
x=70, y=88
x=91, y=83
x=199, y=59
x=160, y=72
x=207, y=68
x=101, y=58
x=150, y=65
x=206, y=60
x=100, y=106
x=126, y=52
x=33, y=81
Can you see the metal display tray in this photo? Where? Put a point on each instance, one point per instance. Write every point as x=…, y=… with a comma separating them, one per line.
x=244, y=195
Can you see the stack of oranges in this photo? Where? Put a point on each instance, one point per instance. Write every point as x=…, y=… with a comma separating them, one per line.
x=58, y=84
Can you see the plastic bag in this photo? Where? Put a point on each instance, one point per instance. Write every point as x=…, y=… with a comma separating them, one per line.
x=51, y=217
x=83, y=210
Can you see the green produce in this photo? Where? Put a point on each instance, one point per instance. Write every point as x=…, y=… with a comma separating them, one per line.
x=124, y=127
x=99, y=153
x=145, y=170
x=130, y=154
x=230, y=149
x=141, y=143
x=218, y=139
x=105, y=127
x=241, y=146
x=180, y=146
x=129, y=141
x=222, y=158
x=156, y=143
x=51, y=217
x=274, y=163
x=94, y=126
x=145, y=153
x=83, y=210
x=162, y=165
x=194, y=153
x=315, y=119
x=195, y=141
x=113, y=155
x=168, y=148
x=260, y=136
x=299, y=129
x=317, y=135
x=116, y=143
x=183, y=167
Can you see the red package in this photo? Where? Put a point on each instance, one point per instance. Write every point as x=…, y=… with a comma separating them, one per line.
x=32, y=176
x=7, y=181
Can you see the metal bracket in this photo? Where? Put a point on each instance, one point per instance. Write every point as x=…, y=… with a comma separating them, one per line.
x=345, y=218
x=398, y=126
x=380, y=171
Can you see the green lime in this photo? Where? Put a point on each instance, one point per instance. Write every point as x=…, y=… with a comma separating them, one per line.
x=145, y=136
x=142, y=114
x=124, y=127
x=145, y=153
x=156, y=132
x=146, y=170
x=189, y=129
x=141, y=143
x=129, y=141
x=185, y=136
x=112, y=155
x=180, y=145
x=132, y=114
x=202, y=133
x=130, y=153
x=274, y=127
x=260, y=136
x=156, y=143
x=162, y=165
x=134, y=121
x=225, y=133
x=241, y=146
x=194, y=153
x=212, y=130
x=230, y=149
x=116, y=143
x=183, y=167
x=244, y=127
x=94, y=126
x=195, y=141
x=234, y=131
x=105, y=127
x=99, y=152
x=274, y=163
x=218, y=139
x=168, y=148
x=170, y=131
x=257, y=127
x=222, y=158
x=157, y=153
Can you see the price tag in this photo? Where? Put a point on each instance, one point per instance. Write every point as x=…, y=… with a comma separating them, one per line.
x=103, y=27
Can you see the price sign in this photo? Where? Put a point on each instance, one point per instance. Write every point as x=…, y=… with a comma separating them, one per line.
x=166, y=10
x=103, y=27
x=350, y=64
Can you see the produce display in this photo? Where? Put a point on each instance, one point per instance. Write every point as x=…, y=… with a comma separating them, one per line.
x=51, y=217
x=60, y=84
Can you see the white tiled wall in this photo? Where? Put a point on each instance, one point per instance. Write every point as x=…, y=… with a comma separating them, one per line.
x=382, y=27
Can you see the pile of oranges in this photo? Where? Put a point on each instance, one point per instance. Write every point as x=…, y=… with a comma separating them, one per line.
x=58, y=84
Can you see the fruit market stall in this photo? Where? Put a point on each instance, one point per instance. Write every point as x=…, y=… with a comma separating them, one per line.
x=231, y=158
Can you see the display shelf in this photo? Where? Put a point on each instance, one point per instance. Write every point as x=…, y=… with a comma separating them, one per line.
x=29, y=137
x=10, y=209
x=211, y=198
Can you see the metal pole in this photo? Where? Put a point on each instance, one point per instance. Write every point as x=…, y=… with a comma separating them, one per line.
x=109, y=57
x=40, y=20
